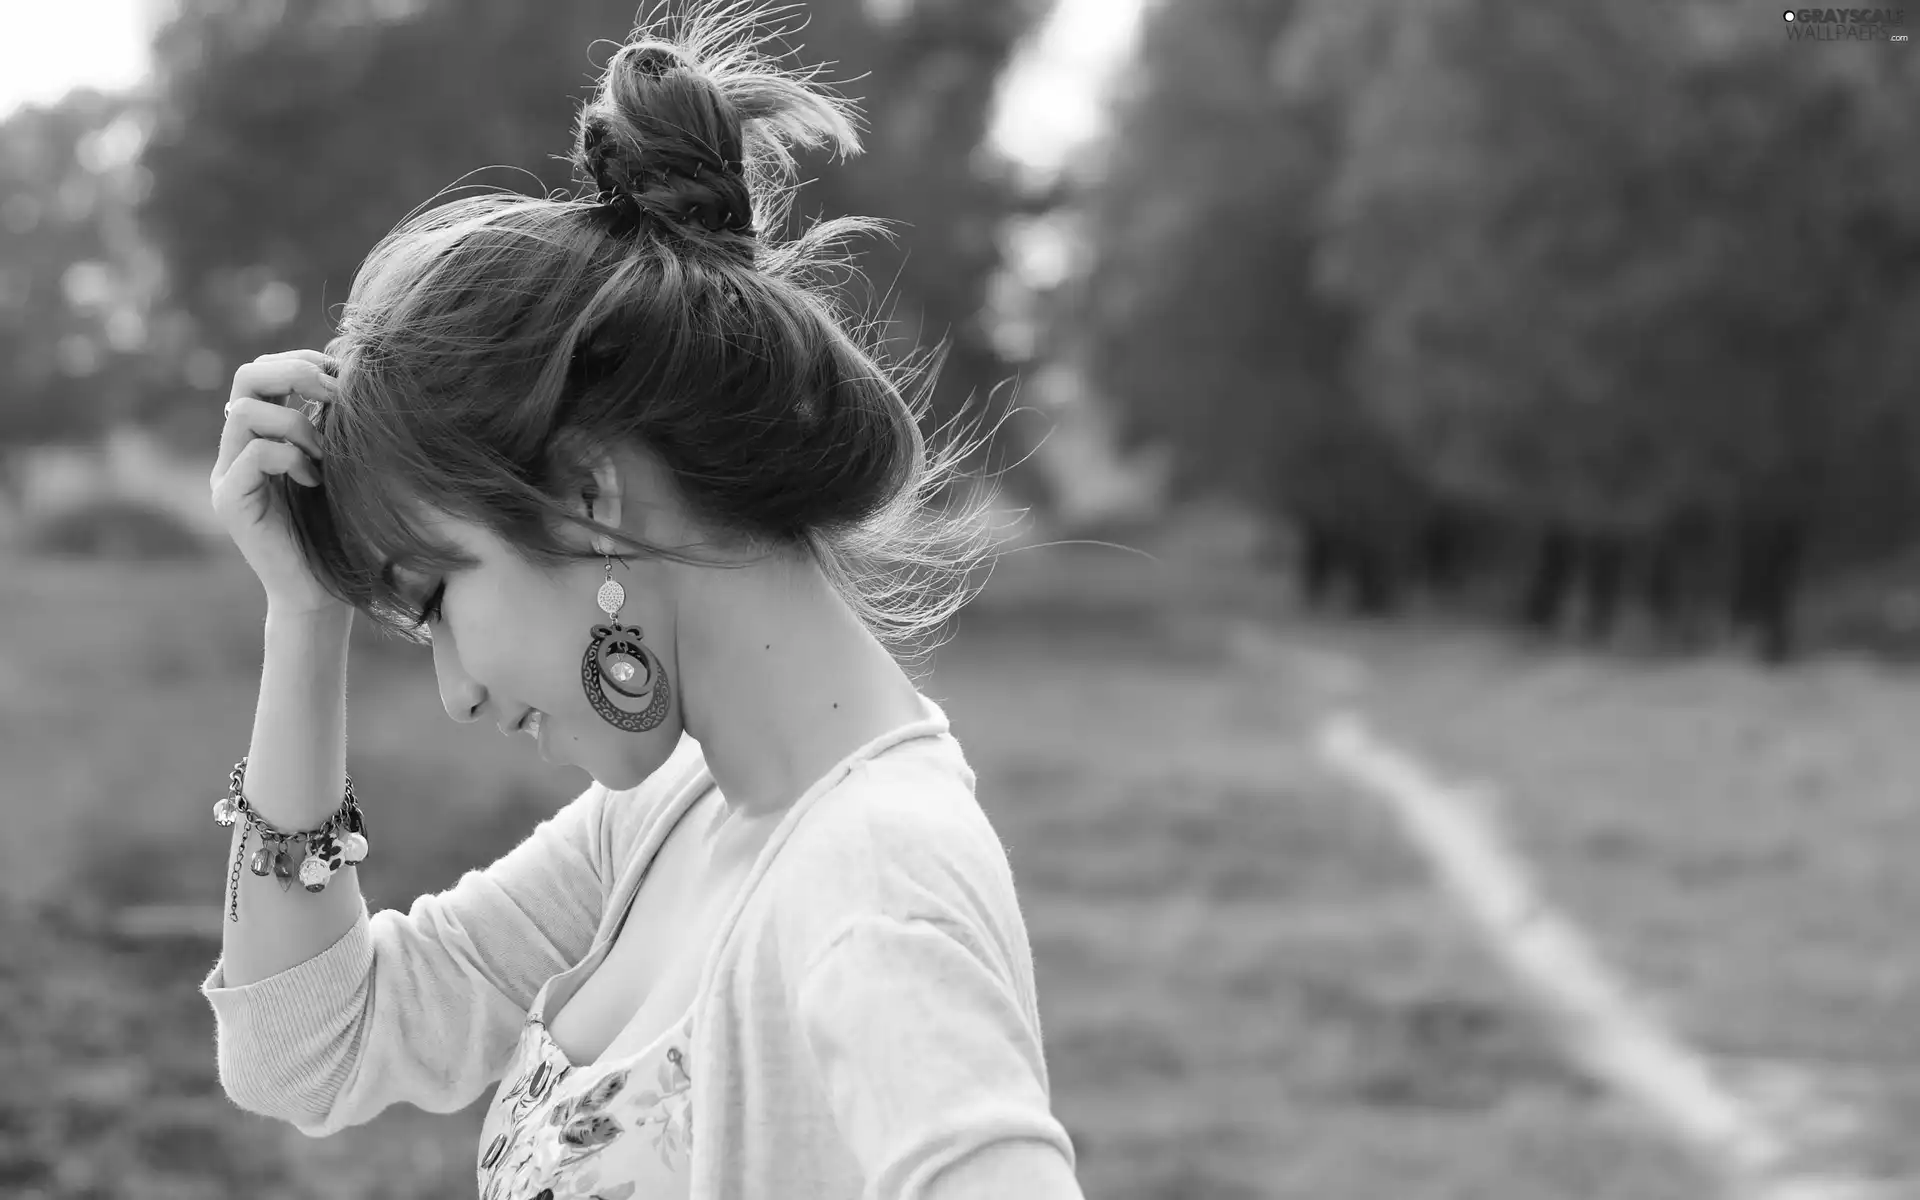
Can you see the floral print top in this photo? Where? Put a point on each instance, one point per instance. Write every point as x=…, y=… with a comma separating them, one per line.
x=617, y=1130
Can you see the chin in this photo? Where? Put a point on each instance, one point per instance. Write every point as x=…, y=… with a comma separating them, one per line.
x=617, y=781
x=630, y=769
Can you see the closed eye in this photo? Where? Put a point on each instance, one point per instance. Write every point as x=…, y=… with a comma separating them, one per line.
x=430, y=611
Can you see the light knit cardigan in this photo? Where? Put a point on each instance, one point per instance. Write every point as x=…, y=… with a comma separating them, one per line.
x=866, y=1022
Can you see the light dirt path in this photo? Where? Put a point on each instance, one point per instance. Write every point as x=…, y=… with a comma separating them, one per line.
x=1607, y=1026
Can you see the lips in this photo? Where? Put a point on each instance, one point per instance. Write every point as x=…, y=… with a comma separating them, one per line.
x=536, y=728
x=529, y=722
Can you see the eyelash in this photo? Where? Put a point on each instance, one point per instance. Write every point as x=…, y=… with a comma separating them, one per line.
x=431, y=611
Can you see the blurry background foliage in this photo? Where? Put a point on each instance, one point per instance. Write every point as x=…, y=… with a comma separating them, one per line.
x=1387, y=326
x=1574, y=311
x=1616, y=302
x=154, y=241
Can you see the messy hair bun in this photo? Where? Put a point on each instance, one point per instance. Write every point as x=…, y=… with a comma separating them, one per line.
x=663, y=142
x=493, y=345
x=674, y=129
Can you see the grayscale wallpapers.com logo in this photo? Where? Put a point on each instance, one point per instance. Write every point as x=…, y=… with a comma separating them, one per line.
x=1846, y=24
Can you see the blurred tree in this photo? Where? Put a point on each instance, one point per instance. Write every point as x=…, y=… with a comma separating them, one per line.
x=925, y=72
x=294, y=133
x=1628, y=282
x=1199, y=318
x=73, y=276
x=1609, y=280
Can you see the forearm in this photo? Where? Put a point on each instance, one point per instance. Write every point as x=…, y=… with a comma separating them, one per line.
x=295, y=778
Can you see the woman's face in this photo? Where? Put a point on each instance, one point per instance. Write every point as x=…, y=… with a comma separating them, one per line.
x=509, y=640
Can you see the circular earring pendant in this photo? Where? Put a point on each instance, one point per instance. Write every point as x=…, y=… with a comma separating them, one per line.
x=616, y=658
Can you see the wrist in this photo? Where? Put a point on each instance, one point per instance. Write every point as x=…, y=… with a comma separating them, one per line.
x=326, y=621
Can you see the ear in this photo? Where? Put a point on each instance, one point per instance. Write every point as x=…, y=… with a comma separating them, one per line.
x=602, y=501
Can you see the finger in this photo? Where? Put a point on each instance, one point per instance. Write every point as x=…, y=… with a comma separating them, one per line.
x=324, y=361
x=250, y=418
x=282, y=458
x=263, y=458
x=258, y=460
x=282, y=375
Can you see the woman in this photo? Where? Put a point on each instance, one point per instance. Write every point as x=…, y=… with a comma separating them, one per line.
x=651, y=503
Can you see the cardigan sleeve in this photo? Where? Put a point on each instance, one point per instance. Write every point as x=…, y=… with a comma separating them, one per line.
x=424, y=1006
x=935, y=1073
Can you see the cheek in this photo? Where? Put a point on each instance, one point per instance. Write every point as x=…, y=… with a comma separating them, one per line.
x=559, y=647
x=521, y=642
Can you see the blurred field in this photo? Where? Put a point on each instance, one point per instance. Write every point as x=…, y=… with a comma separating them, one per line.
x=1739, y=841
x=1248, y=986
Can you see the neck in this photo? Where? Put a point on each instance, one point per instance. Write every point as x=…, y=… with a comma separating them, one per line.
x=780, y=681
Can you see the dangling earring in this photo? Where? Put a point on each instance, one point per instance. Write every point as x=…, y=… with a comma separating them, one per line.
x=615, y=658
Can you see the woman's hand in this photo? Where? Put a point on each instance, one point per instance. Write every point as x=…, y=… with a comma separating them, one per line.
x=265, y=436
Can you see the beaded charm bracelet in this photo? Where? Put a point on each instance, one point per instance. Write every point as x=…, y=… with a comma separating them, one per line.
x=341, y=840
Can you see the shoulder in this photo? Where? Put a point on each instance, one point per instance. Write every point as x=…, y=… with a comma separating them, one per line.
x=903, y=837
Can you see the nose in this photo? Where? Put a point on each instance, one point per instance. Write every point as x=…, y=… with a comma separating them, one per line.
x=460, y=694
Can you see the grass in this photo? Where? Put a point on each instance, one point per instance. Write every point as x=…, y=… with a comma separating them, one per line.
x=1248, y=986
x=1738, y=840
